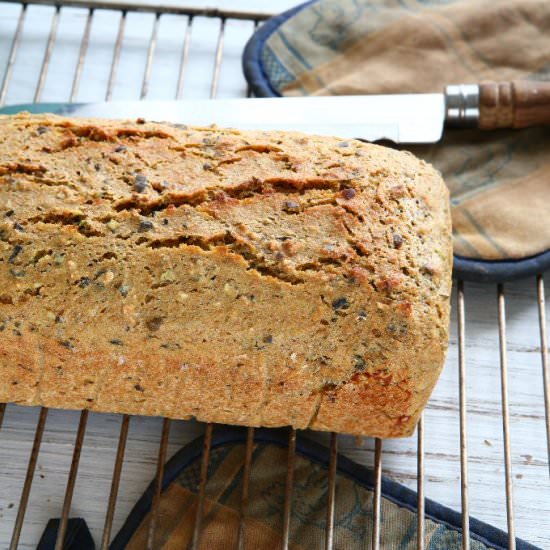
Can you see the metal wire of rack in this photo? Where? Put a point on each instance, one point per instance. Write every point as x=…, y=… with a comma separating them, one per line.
x=223, y=16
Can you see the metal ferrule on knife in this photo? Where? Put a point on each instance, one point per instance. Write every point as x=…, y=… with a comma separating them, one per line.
x=462, y=104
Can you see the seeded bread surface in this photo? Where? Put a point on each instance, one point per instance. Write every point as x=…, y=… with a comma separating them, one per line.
x=255, y=278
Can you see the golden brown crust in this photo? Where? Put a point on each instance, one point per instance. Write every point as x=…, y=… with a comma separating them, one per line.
x=256, y=278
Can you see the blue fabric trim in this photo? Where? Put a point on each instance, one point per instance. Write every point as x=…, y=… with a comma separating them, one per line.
x=253, y=67
x=397, y=493
x=77, y=536
x=499, y=271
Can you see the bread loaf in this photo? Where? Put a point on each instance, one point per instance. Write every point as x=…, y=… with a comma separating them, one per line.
x=254, y=278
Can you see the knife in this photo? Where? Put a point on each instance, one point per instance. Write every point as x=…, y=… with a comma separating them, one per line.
x=401, y=118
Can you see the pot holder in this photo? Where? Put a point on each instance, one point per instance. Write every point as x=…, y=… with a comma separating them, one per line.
x=263, y=523
x=499, y=181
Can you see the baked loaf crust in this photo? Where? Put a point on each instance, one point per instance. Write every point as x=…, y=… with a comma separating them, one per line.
x=255, y=278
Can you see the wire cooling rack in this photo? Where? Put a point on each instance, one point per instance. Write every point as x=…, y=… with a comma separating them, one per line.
x=85, y=86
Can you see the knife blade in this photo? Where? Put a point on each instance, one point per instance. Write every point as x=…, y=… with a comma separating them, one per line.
x=401, y=118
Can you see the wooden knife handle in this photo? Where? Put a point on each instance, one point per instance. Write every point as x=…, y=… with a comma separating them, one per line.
x=516, y=104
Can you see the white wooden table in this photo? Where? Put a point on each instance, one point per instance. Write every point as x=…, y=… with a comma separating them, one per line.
x=531, y=484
